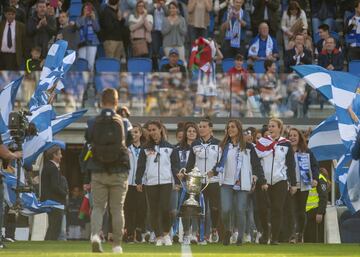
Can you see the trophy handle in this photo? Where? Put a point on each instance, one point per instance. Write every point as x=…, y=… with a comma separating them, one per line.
x=208, y=182
x=183, y=171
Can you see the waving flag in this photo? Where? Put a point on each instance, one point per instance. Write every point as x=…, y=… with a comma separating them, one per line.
x=339, y=88
x=55, y=67
x=41, y=117
x=7, y=100
x=62, y=121
x=38, y=145
x=30, y=204
x=325, y=141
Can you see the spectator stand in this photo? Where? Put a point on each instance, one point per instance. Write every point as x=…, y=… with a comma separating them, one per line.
x=107, y=73
x=138, y=69
x=354, y=67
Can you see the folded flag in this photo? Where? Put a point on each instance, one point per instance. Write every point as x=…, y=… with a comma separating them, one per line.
x=85, y=207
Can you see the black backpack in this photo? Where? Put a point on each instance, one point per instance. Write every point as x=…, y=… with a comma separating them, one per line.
x=108, y=142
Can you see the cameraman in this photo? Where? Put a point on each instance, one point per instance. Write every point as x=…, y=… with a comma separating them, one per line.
x=5, y=155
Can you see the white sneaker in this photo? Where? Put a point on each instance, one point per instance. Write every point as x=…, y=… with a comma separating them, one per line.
x=117, y=249
x=167, y=240
x=96, y=244
x=247, y=238
x=204, y=242
x=193, y=239
x=152, y=237
x=186, y=240
x=159, y=241
x=258, y=235
x=214, y=237
x=234, y=237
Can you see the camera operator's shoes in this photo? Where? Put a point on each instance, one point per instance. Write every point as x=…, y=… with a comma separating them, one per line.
x=9, y=239
x=96, y=244
x=186, y=240
x=159, y=241
x=214, y=236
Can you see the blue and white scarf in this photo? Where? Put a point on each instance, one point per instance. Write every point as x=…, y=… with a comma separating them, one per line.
x=303, y=168
x=254, y=48
x=234, y=32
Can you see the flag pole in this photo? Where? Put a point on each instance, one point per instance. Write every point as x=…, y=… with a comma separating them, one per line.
x=333, y=165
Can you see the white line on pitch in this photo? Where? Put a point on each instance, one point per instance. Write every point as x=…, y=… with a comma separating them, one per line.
x=186, y=251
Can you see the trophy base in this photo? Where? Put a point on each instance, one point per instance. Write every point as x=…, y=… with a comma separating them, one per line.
x=190, y=211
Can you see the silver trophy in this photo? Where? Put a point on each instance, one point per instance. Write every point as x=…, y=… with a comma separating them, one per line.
x=191, y=206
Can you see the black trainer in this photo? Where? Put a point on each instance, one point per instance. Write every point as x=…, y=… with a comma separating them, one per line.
x=264, y=239
x=274, y=242
x=239, y=241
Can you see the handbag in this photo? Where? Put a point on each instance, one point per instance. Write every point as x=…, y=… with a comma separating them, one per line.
x=139, y=47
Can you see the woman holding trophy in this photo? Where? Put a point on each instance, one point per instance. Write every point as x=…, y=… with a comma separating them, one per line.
x=205, y=154
x=238, y=169
x=277, y=159
x=157, y=169
x=191, y=133
x=307, y=175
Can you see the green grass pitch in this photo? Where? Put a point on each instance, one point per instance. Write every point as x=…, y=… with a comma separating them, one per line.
x=77, y=249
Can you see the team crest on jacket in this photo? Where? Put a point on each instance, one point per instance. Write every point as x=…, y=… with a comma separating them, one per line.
x=166, y=151
x=213, y=148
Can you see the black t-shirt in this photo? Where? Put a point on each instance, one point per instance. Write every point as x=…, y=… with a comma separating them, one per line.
x=167, y=67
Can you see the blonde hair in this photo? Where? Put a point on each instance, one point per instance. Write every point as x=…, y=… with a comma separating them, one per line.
x=279, y=122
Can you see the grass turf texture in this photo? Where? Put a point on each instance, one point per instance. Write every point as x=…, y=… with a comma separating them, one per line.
x=75, y=249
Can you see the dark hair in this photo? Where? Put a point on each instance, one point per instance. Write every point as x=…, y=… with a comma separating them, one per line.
x=143, y=137
x=302, y=145
x=180, y=127
x=10, y=9
x=356, y=3
x=49, y=154
x=208, y=121
x=109, y=96
x=332, y=38
x=264, y=129
x=67, y=14
x=120, y=110
x=174, y=4
x=253, y=131
x=188, y=125
x=85, y=5
x=36, y=48
x=113, y=2
x=240, y=138
x=150, y=142
x=292, y=6
x=268, y=63
x=324, y=27
x=239, y=57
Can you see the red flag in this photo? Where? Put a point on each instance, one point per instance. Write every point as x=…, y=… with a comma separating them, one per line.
x=85, y=207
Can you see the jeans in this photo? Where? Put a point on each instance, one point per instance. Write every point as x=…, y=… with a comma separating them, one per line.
x=230, y=199
x=250, y=220
x=88, y=53
x=111, y=189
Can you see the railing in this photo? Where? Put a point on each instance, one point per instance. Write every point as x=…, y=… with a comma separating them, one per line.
x=165, y=94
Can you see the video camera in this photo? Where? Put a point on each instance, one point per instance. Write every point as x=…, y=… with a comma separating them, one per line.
x=20, y=127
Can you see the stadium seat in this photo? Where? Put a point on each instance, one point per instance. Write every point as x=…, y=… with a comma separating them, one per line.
x=107, y=64
x=80, y=65
x=259, y=66
x=332, y=34
x=354, y=67
x=139, y=65
x=227, y=64
x=76, y=2
x=165, y=60
x=75, y=9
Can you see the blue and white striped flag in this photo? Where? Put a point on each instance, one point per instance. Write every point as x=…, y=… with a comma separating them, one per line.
x=62, y=121
x=348, y=178
x=7, y=100
x=41, y=117
x=325, y=141
x=29, y=202
x=37, y=145
x=55, y=67
x=340, y=89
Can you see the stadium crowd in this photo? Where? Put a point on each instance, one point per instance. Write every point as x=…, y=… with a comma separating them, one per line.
x=247, y=32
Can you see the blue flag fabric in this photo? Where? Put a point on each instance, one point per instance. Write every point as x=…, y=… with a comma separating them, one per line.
x=7, y=100
x=29, y=201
